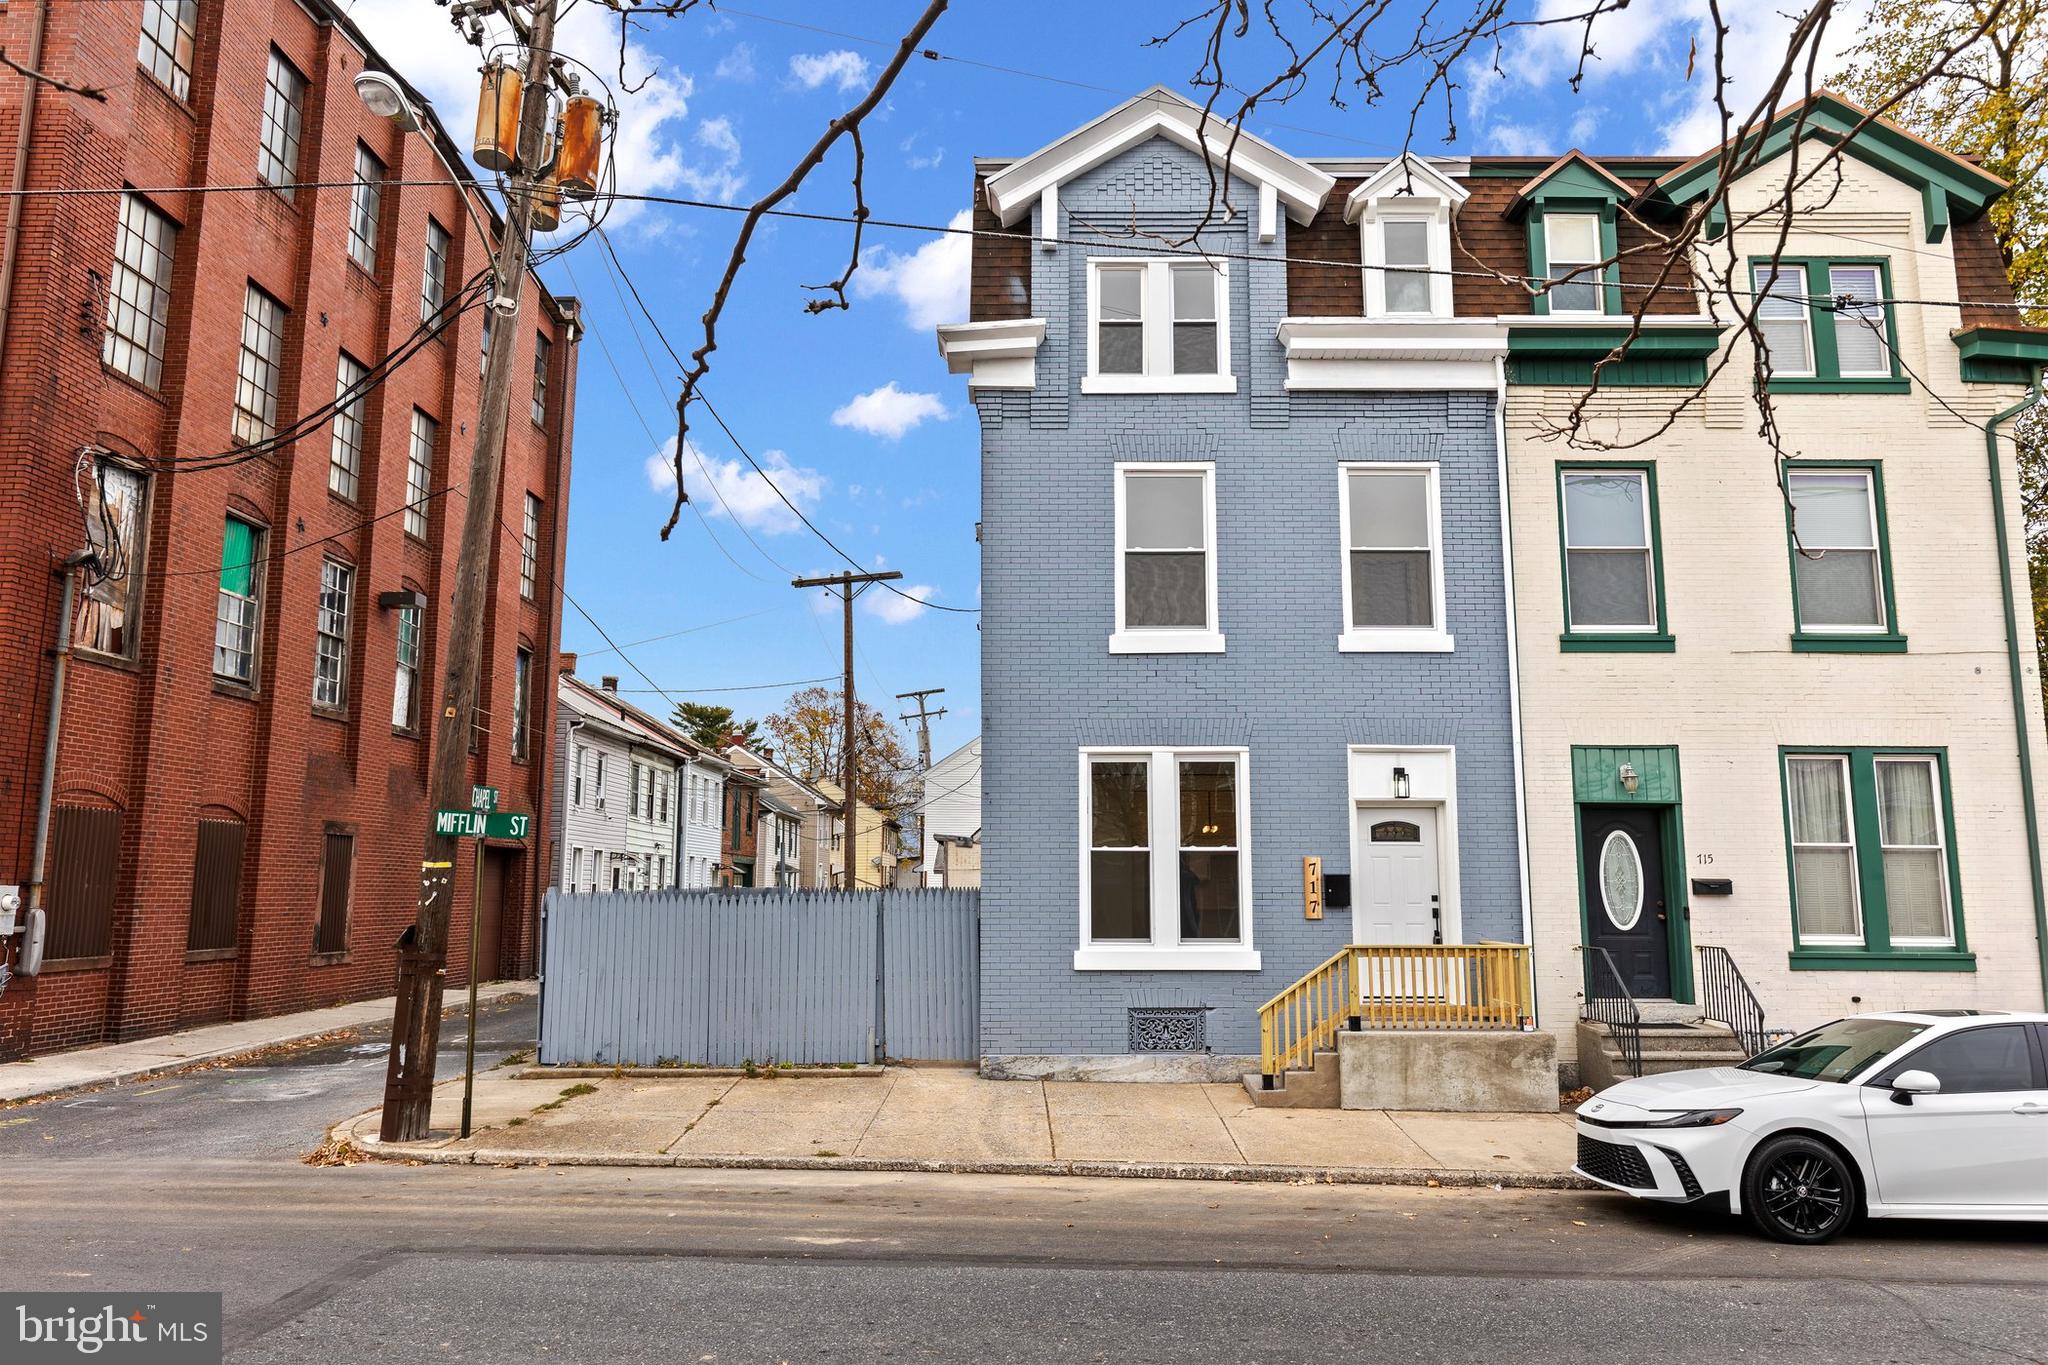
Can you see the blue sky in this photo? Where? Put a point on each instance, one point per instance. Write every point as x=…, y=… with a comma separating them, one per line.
x=853, y=412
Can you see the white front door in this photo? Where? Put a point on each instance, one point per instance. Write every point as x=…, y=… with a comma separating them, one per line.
x=1395, y=896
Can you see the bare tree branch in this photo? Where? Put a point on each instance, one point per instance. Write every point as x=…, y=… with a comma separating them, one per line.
x=91, y=92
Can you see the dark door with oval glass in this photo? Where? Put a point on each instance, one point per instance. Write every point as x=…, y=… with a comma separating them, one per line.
x=1621, y=858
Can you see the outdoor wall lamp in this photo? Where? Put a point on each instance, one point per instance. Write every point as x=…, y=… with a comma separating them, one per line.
x=1629, y=781
x=1400, y=784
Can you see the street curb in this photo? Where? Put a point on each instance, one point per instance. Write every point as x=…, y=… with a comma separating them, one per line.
x=156, y=1070
x=1112, y=1170
x=686, y=1073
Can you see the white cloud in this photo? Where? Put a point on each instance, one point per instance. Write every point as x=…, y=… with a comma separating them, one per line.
x=736, y=65
x=930, y=282
x=895, y=610
x=889, y=412
x=650, y=157
x=916, y=160
x=843, y=68
x=719, y=177
x=739, y=491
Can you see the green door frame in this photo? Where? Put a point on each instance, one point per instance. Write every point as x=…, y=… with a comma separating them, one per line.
x=1596, y=781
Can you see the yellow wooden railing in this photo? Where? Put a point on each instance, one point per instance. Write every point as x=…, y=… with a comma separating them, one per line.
x=1396, y=986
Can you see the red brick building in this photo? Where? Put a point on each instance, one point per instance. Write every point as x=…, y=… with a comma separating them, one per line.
x=195, y=386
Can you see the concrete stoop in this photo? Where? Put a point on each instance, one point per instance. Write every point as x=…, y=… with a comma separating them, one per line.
x=1667, y=1046
x=1448, y=1071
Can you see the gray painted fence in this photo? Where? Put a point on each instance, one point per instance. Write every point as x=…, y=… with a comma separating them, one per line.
x=721, y=978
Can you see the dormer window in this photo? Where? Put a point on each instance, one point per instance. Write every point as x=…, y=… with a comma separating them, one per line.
x=1403, y=214
x=1572, y=251
x=1158, y=326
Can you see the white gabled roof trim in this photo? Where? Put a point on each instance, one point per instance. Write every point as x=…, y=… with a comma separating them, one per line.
x=1474, y=338
x=1157, y=112
x=1404, y=177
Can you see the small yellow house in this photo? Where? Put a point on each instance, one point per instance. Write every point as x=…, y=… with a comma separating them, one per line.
x=875, y=846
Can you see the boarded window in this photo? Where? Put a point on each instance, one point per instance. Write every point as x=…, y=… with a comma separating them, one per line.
x=336, y=870
x=85, y=856
x=216, y=886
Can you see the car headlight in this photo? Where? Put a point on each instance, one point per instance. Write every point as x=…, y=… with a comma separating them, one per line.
x=1696, y=1118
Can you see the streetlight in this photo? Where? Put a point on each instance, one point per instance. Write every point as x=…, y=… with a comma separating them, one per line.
x=385, y=98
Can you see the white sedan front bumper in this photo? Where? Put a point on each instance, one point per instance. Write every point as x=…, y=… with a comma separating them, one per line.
x=1676, y=1164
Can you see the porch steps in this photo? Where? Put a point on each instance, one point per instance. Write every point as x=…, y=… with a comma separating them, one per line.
x=1315, y=1088
x=1667, y=1046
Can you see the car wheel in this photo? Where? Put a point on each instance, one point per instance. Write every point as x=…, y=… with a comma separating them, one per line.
x=1799, y=1190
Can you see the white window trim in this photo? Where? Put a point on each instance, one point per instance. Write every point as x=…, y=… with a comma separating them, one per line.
x=1884, y=336
x=1436, y=215
x=1158, y=331
x=1432, y=639
x=1800, y=936
x=1948, y=895
x=1598, y=279
x=1208, y=640
x=1649, y=551
x=1776, y=273
x=1875, y=549
x=1166, y=952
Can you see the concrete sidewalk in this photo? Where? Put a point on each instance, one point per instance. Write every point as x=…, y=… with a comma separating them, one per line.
x=949, y=1119
x=115, y=1063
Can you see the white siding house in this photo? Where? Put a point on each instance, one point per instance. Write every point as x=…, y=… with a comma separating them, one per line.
x=950, y=805
x=816, y=824
x=703, y=780
x=619, y=775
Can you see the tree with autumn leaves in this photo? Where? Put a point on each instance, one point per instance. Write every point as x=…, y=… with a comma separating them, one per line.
x=809, y=731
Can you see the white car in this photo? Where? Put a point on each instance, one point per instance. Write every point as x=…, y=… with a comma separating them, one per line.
x=1913, y=1114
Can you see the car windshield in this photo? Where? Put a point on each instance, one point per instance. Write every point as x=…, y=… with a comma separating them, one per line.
x=1837, y=1051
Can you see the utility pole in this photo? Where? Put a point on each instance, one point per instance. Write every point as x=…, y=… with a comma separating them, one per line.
x=423, y=949
x=850, y=586
x=924, y=721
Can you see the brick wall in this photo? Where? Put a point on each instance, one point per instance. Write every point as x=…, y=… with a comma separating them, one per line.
x=157, y=737
x=1050, y=686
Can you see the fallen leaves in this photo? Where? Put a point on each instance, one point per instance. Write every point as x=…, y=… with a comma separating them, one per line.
x=336, y=1151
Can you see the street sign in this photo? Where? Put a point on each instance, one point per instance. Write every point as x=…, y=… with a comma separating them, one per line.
x=460, y=823
x=505, y=825
x=483, y=798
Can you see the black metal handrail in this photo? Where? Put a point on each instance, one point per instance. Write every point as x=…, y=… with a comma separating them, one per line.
x=1725, y=997
x=1608, y=1002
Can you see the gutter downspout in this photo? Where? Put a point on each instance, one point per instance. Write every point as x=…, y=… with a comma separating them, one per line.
x=18, y=182
x=2021, y=727
x=1507, y=563
x=47, y=785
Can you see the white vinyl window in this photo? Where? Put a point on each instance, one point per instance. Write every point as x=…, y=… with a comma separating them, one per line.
x=366, y=209
x=1610, y=566
x=345, y=449
x=1165, y=873
x=1166, y=560
x=1393, y=573
x=1824, y=887
x=1862, y=350
x=1915, y=848
x=1836, y=563
x=1571, y=246
x=1158, y=326
x=330, y=638
x=260, y=366
x=575, y=877
x=419, y=472
x=139, y=302
x=1405, y=252
x=1783, y=318
x=284, y=111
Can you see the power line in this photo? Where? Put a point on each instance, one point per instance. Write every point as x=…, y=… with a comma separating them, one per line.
x=743, y=687
x=689, y=630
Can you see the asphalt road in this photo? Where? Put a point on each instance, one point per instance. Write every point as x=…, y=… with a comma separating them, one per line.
x=199, y=1187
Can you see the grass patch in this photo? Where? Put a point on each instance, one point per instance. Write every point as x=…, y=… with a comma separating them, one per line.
x=573, y=1092
x=824, y=1151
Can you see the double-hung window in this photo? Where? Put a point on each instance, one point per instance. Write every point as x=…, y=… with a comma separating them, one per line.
x=365, y=209
x=237, y=612
x=1158, y=326
x=1872, y=860
x=541, y=349
x=434, y=275
x=1613, y=597
x=419, y=473
x=345, y=450
x=1165, y=876
x=405, y=691
x=330, y=635
x=1841, y=581
x=529, y=547
x=169, y=30
x=117, y=529
x=1393, y=578
x=1405, y=282
x=139, y=303
x=1828, y=325
x=522, y=691
x=284, y=109
x=1572, y=256
x=1166, y=560
x=259, y=366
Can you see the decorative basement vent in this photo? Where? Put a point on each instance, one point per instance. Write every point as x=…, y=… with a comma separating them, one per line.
x=1169, y=1028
